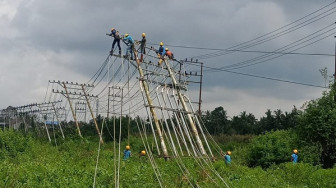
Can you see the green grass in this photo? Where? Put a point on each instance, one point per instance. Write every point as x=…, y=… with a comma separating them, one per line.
x=27, y=162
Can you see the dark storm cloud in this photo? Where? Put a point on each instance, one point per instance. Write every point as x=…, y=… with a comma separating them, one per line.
x=70, y=35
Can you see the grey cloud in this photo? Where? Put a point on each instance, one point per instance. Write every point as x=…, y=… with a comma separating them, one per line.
x=74, y=33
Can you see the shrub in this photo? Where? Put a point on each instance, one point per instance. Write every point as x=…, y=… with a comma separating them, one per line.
x=271, y=148
x=12, y=143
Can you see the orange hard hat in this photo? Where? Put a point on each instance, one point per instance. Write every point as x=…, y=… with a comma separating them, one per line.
x=128, y=147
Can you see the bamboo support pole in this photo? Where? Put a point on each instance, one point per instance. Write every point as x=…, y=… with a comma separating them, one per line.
x=93, y=117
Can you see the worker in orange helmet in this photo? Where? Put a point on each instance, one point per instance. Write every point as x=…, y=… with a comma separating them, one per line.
x=127, y=152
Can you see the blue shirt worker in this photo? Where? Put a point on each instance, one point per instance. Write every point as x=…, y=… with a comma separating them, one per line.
x=227, y=157
x=161, y=52
x=130, y=44
x=127, y=153
x=294, y=156
x=115, y=34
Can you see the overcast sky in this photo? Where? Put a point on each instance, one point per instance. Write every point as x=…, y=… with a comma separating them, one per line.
x=43, y=40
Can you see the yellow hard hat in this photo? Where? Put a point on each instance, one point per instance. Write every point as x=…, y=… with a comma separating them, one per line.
x=295, y=151
x=228, y=152
x=167, y=49
x=143, y=153
x=112, y=29
x=128, y=147
x=161, y=43
x=143, y=34
x=126, y=35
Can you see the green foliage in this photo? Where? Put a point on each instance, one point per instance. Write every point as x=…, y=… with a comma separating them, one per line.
x=12, y=143
x=72, y=164
x=271, y=148
x=217, y=121
x=317, y=126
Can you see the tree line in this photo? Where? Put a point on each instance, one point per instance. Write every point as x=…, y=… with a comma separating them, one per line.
x=217, y=122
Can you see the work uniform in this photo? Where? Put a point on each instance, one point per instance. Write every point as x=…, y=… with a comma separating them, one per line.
x=116, y=36
x=161, y=52
x=295, y=158
x=142, y=47
x=130, y=45
x=127, y=154
x=169, y=54
x=227, y=159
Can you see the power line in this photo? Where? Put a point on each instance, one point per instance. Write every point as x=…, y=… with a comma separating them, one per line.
x=294, y=28
x=262, y=58
x=274, y=79
x=248, y=51
x=257, y=76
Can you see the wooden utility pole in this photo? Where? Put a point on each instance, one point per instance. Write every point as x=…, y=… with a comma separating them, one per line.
x=151, y=108
x=93, y=117
x=191, y=122
x=72, y=110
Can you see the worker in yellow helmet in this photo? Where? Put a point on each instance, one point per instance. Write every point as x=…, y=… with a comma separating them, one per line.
x=169, y=54
x=127, y=152
x=161, y=53
x=227, y=157
x=130, y=44
x=294, y=156
x=142, y=46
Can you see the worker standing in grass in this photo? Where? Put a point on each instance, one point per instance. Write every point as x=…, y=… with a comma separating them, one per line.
x=227, y=157
x=115, y=34
x=130, y=44
x=127, y=153
x=294, y=156
x=142, y=46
